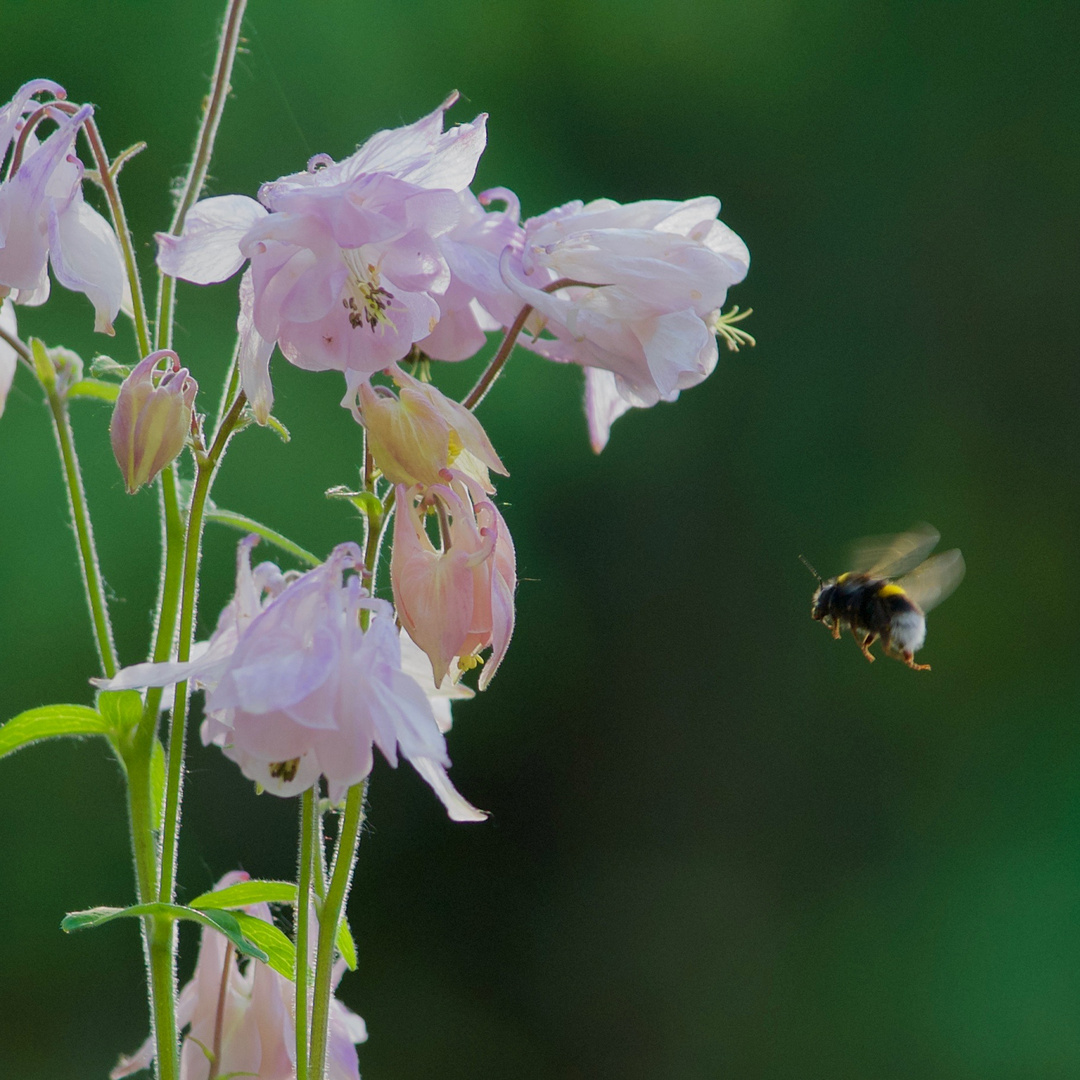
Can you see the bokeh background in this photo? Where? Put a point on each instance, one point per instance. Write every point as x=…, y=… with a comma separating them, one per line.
x=721, y=844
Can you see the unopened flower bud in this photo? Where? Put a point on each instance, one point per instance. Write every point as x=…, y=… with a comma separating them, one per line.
x=414, y=436
x=152, y=418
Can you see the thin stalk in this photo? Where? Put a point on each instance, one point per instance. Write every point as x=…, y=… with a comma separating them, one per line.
x=172, y=541
x=80, y=515
x=498, y=361
x=219, y=1014
x=303, y=910
x=333, y=906
x=107, y=179
x=189, y=593
x=200, y=161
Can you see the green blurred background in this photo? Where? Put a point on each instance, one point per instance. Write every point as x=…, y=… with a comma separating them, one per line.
x=720, y=843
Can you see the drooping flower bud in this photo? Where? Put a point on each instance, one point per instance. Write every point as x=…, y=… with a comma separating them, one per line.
x=458, y=601
x=415, y=436
x=152, y=418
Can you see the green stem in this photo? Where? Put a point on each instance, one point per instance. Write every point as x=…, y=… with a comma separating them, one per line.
x=107, y=178
x=162, y=947
x=204, y=478
x=80, y=515
x=303, y=909
x=200, y=161
x=172, y=542
x=333, y=906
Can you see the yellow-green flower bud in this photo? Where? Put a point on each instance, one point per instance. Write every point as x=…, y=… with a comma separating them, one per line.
x=152, y=418
x=415, y=435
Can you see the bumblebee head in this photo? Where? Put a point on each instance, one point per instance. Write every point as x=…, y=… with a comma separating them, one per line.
x=819, y=603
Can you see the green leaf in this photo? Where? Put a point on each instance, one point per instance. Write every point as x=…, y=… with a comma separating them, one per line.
x=106, y=365
x=49, y=722
x=250, y=525
x=280, y=951
x=224, y=921
x=247, y=892
x=345, y=944
x=123, y=709
x=95, y=389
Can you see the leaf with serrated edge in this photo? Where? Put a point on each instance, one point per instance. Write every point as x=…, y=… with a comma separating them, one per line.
x=245, y=893
x=49, y=722
x=224, y=921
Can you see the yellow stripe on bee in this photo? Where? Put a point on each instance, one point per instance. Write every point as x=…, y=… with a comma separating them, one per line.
x=842, y=578
x=891, y=589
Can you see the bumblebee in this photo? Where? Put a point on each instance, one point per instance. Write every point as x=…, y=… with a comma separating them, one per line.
x=872, y=605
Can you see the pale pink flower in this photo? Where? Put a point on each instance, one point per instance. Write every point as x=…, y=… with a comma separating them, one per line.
x=9, y=358
x=458, y=600
x=43, y=218
x=477, y=300
x=414, y=435
x=295, y=688
x=347, y=269
x=655, y=277
x=257, y=1035
x=152, y=418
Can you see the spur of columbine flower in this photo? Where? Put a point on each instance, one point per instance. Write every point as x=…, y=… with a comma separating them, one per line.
x=43, y=217
x=241, y=1022
x=297, y=688
x=152, y=418
x=419, y=432
x=347, y=270
x=457, y=600
x=654, y=277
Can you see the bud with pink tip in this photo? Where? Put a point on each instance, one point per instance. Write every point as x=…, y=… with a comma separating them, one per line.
x=152, y=418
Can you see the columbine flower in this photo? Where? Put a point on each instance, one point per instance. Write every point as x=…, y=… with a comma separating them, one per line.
x=656, y=275
x=246, y=1019
x=347, y=271
x=43, y=217
x=152, y=418
x=295, y=688
x=457, y=601
x=9, y=358
x=420, y=432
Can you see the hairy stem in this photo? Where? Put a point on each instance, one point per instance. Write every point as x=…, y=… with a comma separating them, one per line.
x=303, y=910
x=200, y=161
x=80, y=515
x=333, y=906
x=204, y=478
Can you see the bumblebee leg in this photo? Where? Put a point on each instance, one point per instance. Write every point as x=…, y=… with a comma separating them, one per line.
x=864, y=644
x=909, y=659
x=836, y=630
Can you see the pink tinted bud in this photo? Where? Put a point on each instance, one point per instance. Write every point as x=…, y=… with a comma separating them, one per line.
x=415, y=436
x=455, y=602
x=152, y=418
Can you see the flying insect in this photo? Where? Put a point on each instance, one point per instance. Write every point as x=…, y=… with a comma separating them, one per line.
x=888, y=593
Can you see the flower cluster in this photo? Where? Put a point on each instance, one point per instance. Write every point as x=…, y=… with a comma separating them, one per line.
x=354, y=264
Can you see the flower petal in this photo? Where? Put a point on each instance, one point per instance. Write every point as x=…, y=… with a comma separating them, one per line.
x=208, y=250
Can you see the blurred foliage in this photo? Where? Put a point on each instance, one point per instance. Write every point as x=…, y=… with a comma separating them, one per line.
x=720, y=844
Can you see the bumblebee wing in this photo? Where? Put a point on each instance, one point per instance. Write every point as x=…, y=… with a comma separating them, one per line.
x=935, y=579
x=891, y=556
